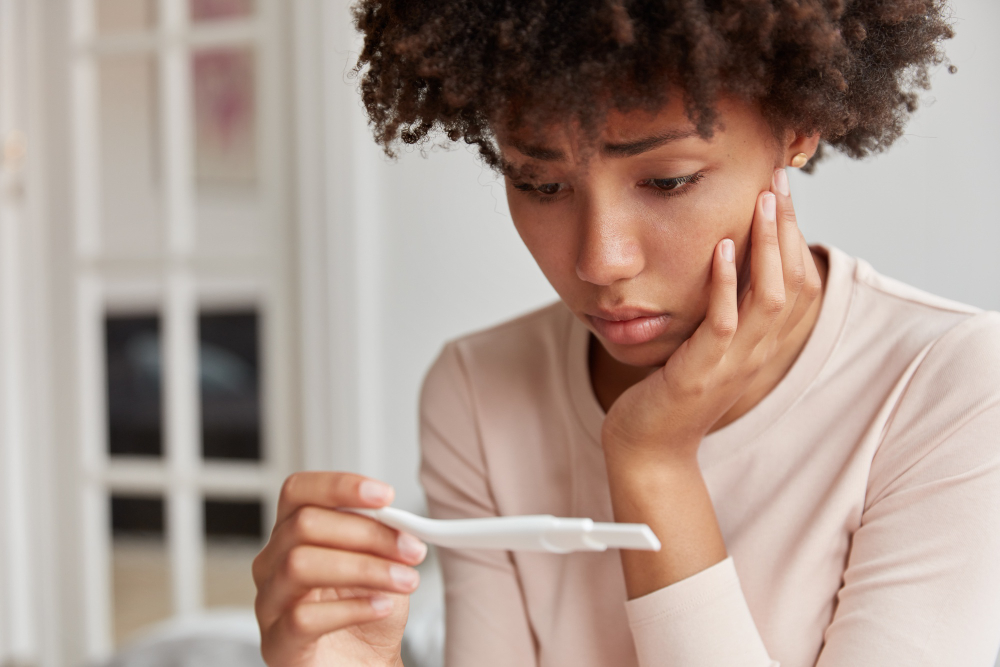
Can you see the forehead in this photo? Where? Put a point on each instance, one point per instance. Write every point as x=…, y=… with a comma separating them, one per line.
x=623, y=134
x=616, y=127
x=625, y=126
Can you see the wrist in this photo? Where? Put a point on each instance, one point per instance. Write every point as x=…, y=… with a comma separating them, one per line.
x=645, y=479
x=673, y=500
x=665, y=454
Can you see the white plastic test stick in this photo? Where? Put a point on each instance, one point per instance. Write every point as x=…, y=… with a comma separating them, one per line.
x=539, y=532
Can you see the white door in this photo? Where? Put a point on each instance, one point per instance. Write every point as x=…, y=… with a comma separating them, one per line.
x=183, y=321
x=189, y=304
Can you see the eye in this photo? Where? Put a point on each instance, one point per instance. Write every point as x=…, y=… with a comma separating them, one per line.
x=670, y=187
x=667, y=184
x=543, y=191
x=544, y=188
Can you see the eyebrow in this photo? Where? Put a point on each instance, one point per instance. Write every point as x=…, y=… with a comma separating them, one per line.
x=622, y=150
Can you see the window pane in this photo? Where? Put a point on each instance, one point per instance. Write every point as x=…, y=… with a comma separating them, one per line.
x=225, y=118
x=125, y=15
x=136, y=515
x=213, y=10
x=131, y=192
x=235, y=533
x=237, y=519
x=229, y=363
x=139, y=564
x=134, y=362
x=228, y=204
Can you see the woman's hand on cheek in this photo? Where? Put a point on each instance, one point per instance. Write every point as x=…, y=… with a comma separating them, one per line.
x=664, y=417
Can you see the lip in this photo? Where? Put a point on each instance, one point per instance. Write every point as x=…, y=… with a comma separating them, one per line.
x=629, y=326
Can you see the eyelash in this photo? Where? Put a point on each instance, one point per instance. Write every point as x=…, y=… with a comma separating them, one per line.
x=679, y=182
x=532, y=191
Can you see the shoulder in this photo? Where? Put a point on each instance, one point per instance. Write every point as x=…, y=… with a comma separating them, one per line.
x=937, y=362
x=959, y=344
x=880, y=324
x=956, y=378
x=518, y=342
x=904, y=295
x=965, y=361
x=512, y=351
x=895, y=311
x=947, y=418
x=487, y=397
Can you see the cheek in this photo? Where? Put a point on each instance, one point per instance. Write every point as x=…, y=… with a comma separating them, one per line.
x=550, y=243
x=685, y=242
x=683, y=250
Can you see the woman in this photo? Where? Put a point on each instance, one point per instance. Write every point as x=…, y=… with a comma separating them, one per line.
x=812, y=443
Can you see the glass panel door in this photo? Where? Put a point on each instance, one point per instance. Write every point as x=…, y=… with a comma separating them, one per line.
x=182, y=284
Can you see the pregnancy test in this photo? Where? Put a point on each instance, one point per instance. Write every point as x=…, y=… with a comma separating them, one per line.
x=537, y=532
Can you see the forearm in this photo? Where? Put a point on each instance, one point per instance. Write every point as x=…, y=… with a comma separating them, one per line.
x=671, y=497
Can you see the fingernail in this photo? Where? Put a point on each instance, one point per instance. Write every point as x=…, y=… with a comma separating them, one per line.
x=404, y=577
x=781, y=182
x=769, y=206
x=374, y=492
x=381, y=603
x=410, y=547
x=728, y=250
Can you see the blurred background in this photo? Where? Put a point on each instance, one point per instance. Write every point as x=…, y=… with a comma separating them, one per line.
x=210, y=278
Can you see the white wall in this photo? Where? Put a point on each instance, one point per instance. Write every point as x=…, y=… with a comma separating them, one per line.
x=926, y=213
x=396, y=257
x=453, y=263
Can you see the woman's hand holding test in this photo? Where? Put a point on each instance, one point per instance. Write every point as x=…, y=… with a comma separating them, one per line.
x=653, y=430
x=333, y=587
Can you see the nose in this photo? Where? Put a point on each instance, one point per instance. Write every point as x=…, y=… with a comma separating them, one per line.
x=608, y=250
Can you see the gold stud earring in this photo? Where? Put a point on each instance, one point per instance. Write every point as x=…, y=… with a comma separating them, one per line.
x=800, y=160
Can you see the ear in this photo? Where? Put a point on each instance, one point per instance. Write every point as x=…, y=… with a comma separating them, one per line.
x=800, y=143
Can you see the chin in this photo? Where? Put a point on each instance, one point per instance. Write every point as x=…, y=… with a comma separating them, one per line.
x=653, y=353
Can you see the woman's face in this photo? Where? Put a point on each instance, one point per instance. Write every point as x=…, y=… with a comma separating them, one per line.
x=626, y=235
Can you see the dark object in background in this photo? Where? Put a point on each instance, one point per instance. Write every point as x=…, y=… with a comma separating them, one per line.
x=134, y=385
x=229, y=380
x=137, y=515
x=234, y=519
x=229, y=371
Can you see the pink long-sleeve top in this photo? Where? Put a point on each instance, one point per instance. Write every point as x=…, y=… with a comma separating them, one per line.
x=859, y=500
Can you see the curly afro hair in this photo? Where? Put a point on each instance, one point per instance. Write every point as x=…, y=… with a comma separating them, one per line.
x=850, y=70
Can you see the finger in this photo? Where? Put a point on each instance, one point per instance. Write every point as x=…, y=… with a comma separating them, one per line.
x=812, y=288
x=328, y=528
x=305, y=623
x=350, y=532
x=814, y=281
x=307, y=567
x=790, y=245
x=331, y=489
x=765, y=299
x=713, y=336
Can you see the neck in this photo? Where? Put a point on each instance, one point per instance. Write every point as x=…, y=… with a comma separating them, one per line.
x=610, y=378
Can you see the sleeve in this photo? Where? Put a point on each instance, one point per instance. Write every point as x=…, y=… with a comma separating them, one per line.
x=922, y=584
x=701, y=621
x=486, y=619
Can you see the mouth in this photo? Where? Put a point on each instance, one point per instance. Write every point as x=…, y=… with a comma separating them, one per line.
x=629, y=326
